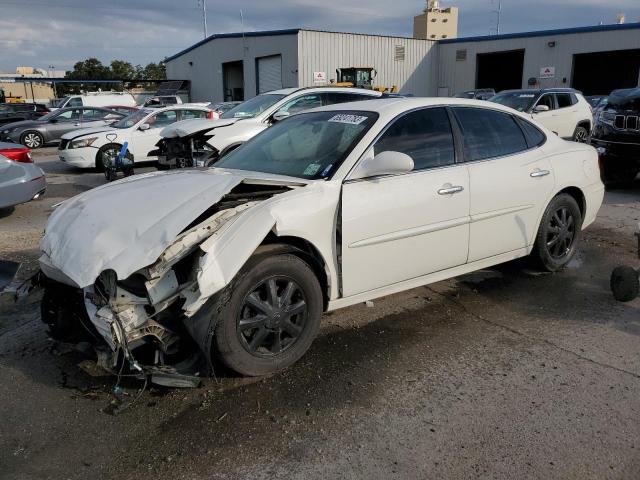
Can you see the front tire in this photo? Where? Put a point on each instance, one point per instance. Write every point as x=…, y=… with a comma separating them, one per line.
x=32, y=139
x=558, y=234
x=268, y=316
x=581, y=135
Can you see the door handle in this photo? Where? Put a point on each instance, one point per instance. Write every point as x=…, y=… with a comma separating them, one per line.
x=446, y=190
x=539, y=173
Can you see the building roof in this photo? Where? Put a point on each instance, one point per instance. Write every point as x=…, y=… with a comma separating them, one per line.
x=544, y=33
x=272, y=33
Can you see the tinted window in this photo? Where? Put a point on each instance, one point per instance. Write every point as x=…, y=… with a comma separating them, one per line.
x=488, y=133
x=574, y=99
x=534, y=136
x=425, y=135
x=304, y=102
x=564, y=100
x=343, y=97
x=91, y=114
x=69, y=115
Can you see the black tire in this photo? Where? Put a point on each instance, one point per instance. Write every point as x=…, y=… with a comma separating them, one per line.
x=234, y=344
x=32, y=139
x=558, y=233
x=625, y=283
x=581, y=134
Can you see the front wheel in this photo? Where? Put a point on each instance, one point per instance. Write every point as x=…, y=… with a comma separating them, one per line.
x=581, y=135
x=558, y=233
x=268, y=316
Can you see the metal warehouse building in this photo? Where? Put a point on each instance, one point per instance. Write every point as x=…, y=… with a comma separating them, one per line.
x=238, y=66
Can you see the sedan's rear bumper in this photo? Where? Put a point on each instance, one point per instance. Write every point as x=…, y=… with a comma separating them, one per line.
x=29, y=185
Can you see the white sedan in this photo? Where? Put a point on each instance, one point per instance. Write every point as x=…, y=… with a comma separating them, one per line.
x=326, y=209
x=91, y=147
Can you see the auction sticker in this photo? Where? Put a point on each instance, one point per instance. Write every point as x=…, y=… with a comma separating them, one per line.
x=350, y=119
x=312, y=169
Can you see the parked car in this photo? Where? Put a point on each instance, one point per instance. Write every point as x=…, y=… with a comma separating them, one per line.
x=617, y=136
x=124, y=109
x=222, y=107
x=564, y=111
x=326, y=209
x=50, y=128
x=96, y=99
x=16, y=112
x=89, y=148
x=195, y=143
x=162, y=101
x=20, y=180
x=479, y=94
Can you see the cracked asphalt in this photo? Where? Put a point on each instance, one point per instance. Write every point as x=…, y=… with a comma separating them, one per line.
x=504, y=373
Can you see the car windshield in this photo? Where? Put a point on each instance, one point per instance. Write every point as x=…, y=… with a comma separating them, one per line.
x=521, y=101
x=253, y=107
x=625, y=99
x=133, y=118
x=307, y=145
x=51, y=115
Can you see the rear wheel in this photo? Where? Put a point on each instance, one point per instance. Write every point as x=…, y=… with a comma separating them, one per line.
x=268, y=316
x=32, y=139
x=558, y=233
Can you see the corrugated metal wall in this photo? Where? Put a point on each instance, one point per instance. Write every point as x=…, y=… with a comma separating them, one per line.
x=205, y=73
x=457, y=76
x=325, y=52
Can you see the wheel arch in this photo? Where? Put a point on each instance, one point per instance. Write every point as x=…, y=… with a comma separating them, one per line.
x=578, y=196
x=585, y=123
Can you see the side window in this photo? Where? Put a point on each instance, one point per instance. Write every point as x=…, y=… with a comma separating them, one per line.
x=304, y=102
x=74, y=102
x=564, y=100
x=534, y=137
x=190, y=114
x=91, y=114
x=488, y=133
x=574, y=99
x=69, y=116
x=162, y=119
x=548, y=101
x=425, y=135
x=332, y=98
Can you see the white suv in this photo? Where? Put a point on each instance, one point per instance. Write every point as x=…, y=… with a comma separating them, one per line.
x=564, y=111
x=202, y=142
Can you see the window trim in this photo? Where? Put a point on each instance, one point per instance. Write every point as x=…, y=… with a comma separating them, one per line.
x=366, y=151
x=515, y=119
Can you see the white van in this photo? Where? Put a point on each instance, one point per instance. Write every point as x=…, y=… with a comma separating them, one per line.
x=98, y=99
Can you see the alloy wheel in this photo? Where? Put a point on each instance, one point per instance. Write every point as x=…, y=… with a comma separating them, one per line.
x=32, y=140
x=581, y=135
x=561, y=232
x=272, y=317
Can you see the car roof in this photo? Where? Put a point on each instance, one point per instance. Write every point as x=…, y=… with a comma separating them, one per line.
x=326, y=88
x=541, y=90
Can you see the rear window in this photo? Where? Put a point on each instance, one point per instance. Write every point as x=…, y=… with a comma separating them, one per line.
x=533, y=135
x=564, y=100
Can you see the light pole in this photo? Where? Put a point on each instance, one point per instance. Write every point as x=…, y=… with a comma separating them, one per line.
x=53, y=82
x=498, y=13
x=203, y=3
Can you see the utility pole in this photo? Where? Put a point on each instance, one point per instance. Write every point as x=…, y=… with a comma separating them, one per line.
x=53, y=82
x=498, y=13
x=203, y=3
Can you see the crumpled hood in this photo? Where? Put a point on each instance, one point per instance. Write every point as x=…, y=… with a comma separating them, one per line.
x=127, y=224
x=189, y=127
x=86, y=131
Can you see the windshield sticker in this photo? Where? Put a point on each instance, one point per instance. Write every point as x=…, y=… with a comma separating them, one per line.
x=312, y=169
x=350, y=119
x=326, y=171
x=526, y=95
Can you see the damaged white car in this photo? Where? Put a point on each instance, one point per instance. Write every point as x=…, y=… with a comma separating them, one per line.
x=329, y=208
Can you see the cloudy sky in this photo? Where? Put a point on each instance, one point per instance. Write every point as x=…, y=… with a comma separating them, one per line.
x=40, y=33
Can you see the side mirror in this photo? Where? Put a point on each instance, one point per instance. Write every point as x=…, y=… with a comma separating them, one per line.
x=384, y=163
x=280, y=115
x=541, y=108
x=145, y=126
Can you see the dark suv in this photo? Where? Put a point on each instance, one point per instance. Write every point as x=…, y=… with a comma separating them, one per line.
x=16, y=112
x=616, y=135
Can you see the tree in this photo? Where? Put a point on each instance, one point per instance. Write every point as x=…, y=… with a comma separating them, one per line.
x=122, y=69
x=155, y=71
x=91, y=68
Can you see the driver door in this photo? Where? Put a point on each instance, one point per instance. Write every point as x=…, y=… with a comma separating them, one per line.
x=551, y=119
x=64, y=123
x=141, y=142
x=399, y=227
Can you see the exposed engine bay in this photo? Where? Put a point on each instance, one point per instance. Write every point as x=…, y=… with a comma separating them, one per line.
x=186, y=152
x=155, y=321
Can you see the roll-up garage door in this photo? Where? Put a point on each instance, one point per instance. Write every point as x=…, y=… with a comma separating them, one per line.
x=269, y=73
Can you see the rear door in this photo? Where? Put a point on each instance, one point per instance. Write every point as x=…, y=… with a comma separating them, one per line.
x=510, y=180
x=399, y=227
x=568, y=113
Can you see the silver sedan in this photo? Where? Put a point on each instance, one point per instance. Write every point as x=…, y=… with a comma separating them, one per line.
x=20, y=181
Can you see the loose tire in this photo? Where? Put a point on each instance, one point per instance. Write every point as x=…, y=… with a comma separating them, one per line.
x=625, y=283
x=268, y=316
x=32, y=139
x=558, y=233
x=581, y=134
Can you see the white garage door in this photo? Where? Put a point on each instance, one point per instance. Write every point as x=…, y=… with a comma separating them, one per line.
x=269, y=73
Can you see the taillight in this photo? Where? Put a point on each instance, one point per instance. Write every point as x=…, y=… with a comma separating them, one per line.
x=211, y=115
x=22, y=155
